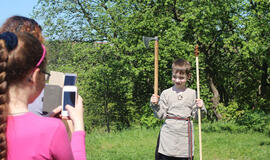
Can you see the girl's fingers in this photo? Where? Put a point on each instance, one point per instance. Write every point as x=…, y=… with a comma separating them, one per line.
x=79, y=101
x=69, y=108
x=55, y=111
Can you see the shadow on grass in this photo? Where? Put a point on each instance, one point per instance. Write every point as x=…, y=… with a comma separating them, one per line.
x=265, y=143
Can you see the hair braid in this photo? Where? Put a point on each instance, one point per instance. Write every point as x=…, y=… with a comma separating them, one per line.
x=3, y=99
x=19, y=53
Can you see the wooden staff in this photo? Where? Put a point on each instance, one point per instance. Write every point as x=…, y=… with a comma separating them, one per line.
x=146, y=42
x=156, y=67
x=198, y=97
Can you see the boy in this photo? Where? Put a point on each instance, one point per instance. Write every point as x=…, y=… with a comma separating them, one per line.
x=176, y=106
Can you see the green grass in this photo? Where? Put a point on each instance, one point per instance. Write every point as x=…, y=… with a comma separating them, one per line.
x=139, y=144
x=127, y=145
x=240, y=146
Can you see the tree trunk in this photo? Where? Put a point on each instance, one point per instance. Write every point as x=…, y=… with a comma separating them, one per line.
x=264, y=77
x=215, y=98
x=209, y=73
x=107, y=117
x=106, y=109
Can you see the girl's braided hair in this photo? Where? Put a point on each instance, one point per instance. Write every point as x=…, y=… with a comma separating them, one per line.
x=19, y=53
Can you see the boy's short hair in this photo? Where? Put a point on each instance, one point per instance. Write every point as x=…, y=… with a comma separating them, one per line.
x=182, y=66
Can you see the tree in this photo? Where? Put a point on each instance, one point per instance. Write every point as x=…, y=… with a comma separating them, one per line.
x=255, y=53
x=217, y=26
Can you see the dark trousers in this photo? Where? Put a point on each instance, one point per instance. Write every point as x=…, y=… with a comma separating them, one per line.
x=159, y=156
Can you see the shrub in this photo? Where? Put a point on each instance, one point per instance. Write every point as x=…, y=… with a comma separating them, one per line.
x=148, y=119
x=222, y=126
x=230, y=112
x=256, y=120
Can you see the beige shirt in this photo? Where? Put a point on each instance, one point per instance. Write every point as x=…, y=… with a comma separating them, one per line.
x=174, y=133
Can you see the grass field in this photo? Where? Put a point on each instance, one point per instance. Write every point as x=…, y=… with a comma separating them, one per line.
x=139, y=144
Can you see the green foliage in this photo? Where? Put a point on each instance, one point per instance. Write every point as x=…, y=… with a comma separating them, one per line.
x=116, y=78
x=223, y=126
x=230, y=112
x=256, y=120
x=148, y=119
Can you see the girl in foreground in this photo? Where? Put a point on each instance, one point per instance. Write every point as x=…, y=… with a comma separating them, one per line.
x=24, y=135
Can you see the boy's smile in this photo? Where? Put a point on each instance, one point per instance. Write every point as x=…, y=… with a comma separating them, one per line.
x=179, y=80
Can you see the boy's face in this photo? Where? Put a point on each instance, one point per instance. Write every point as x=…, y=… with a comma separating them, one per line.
x=179, y=79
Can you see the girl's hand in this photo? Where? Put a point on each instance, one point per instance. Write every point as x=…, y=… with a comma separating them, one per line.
x=76, y=114
x=154, y=99
x=56, y=112
x=199, y=103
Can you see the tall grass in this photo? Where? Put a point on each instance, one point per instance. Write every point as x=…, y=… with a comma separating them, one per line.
x=140, y=143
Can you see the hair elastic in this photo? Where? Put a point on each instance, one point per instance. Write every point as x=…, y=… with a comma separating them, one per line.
x=43, y=56
x=10, y=39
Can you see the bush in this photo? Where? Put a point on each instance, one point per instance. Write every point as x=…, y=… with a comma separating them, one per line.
x=256, y=120
x=237, y=119
x=148, y=119
x=230, y=112
x=222, y=126
x=150, y=122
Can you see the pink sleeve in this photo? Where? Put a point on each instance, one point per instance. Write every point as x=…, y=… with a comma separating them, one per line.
x=60, y=146
x=78, y=145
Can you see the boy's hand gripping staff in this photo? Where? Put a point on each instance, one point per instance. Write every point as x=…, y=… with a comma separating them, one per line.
x=146, y=42
x=198, y=97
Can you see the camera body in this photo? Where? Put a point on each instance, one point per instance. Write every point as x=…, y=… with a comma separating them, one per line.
x=69, y=97
x=54, y=91
x=69, y=92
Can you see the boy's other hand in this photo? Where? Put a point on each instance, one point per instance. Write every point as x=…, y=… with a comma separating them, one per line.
x=199, y=103
x=154, y=99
